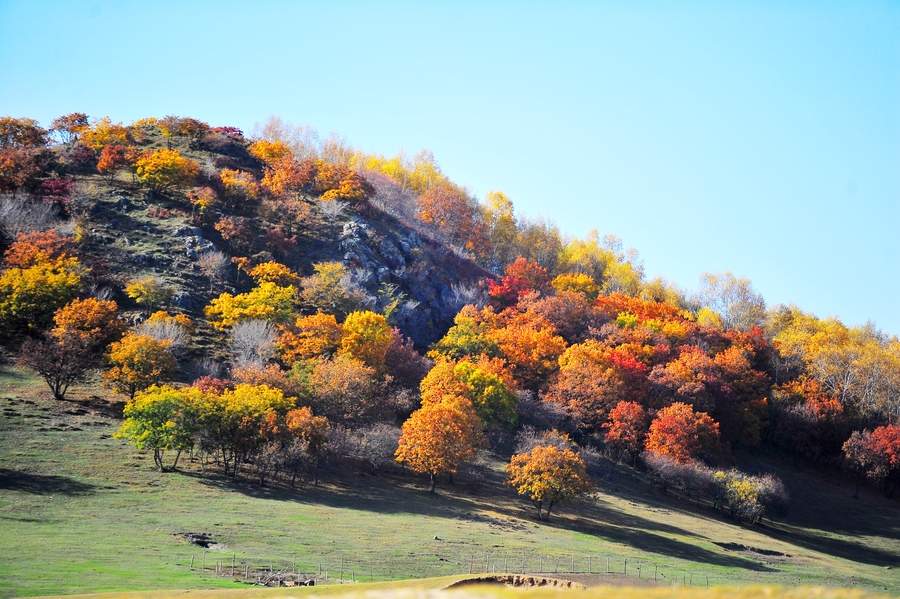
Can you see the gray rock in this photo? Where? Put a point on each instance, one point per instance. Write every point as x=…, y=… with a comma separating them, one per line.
x=183, y=300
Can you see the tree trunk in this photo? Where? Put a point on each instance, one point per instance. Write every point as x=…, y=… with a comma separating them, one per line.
x=432, y=485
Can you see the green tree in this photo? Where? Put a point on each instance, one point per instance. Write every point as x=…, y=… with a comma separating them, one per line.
x=161, y=419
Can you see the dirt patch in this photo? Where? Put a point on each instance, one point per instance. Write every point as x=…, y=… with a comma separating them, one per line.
x=202, y=540
x=517, y=580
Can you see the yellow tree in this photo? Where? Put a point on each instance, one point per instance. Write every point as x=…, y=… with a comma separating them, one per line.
x=163, y=169
x=439, y=437
x=548, y=476
x=268, y=302
x=30, y=296
x=367, y=338
x=138, y=361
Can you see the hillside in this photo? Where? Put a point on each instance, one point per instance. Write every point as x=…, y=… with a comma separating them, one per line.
x=83, y=512
x=217, y=324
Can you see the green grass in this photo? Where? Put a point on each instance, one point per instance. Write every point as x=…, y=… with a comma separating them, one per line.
x=82, y=512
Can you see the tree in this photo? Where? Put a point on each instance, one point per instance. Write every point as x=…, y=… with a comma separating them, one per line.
x=267, y=301
x=161, y=419
x=163, y=169
x=273, y=272
x=501, y=226
x=112, y=159
x=70, y=126
x=344, y=390
x=37, y=247
x=310, y=337
x=95, y=321
x=312, y=432
x=576, y=282
x=138, y=362
x=484, y=381
x=60, y=361
x=679, y=432
x=329, y=289
x=214, y=265
x=150, y=291
x=103, y=132
x=21, y=133
x=453, y=214
x=439, y=437
x=367, y=338
x=627, y=427
x=877, y=453
x=548, y=476
x=30, y=296
x=733, y=299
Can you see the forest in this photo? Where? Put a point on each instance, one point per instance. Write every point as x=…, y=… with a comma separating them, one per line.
x=274, y=303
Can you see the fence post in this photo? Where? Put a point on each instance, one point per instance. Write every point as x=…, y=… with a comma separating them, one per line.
x=573, y=563
x=192, y=562
x=342, y=569
x=607, y=564
x=523, y=562
x=505, y=565
x=541, y=566
x=590, y=565
x=655, y=571
x=232, y=563
x=626, y=566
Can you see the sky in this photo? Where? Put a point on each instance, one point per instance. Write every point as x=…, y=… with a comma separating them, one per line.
x=757, y=137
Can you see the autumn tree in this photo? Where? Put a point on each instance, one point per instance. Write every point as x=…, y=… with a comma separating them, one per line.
x=683, y=434
x=548, y=476
x=70, y=126
x=877, y=454
x=37, y=247
x=626, y=428
x=21, y=133
x=451, y=212
x=733, y=299
x=344, y=390
x=149, y=291
x=236, y=231
x=163, y=169
x=311, y=432
x=330, y=290
x=309, y=337
x=160, y=419
x=103, y=132
x=267, y=301
x=138, y=362
x=30, y=296
x=273, y=272
x=439, y=437
x=485, y=382
x=366, y=337
x=95, y=321
x=113, y=158
x=500, y=222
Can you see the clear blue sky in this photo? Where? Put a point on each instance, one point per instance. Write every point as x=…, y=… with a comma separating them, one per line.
x=757, y=137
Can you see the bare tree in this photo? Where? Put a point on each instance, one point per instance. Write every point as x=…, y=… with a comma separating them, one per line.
x=462, y=294
x=733, y=299
x=252, y=342
x=331, y=209
x=214, y=264
x=167, y=330
x=24, y=215
x=303, y=140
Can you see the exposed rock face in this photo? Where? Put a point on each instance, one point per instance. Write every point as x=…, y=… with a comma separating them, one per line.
x=379, y=257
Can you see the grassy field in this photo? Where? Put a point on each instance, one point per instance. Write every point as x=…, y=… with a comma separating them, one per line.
x=82, y=513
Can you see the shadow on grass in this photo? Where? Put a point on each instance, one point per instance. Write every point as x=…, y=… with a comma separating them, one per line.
x=391, y=494
x=42, y=484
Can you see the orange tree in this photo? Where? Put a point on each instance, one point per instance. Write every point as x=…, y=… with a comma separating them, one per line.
x=309, y=337
x=439, y=437
x=548, y=475
x=626, y=428
x=683, y=434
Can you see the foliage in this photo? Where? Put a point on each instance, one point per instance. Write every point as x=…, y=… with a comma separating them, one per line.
x=37, y=247
x=273, y=272
x=269, y=151
x=682, y=434
x=329, y=290
x=548, y=476
x=439, y=437
x=484, y=381
x=150, y=291
x=366, y=338
x=30, y=296
x=267, y=301
x=876, y=454
x=163, y=169
x=138, y=362
x=21, y=133
x=104, y=132
x=577, y=283
x=70, y=126
x=113, y=158
x=161, y=419
x=626, y=428
x=344, y=390
x=95, y=321
x=309, y=337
